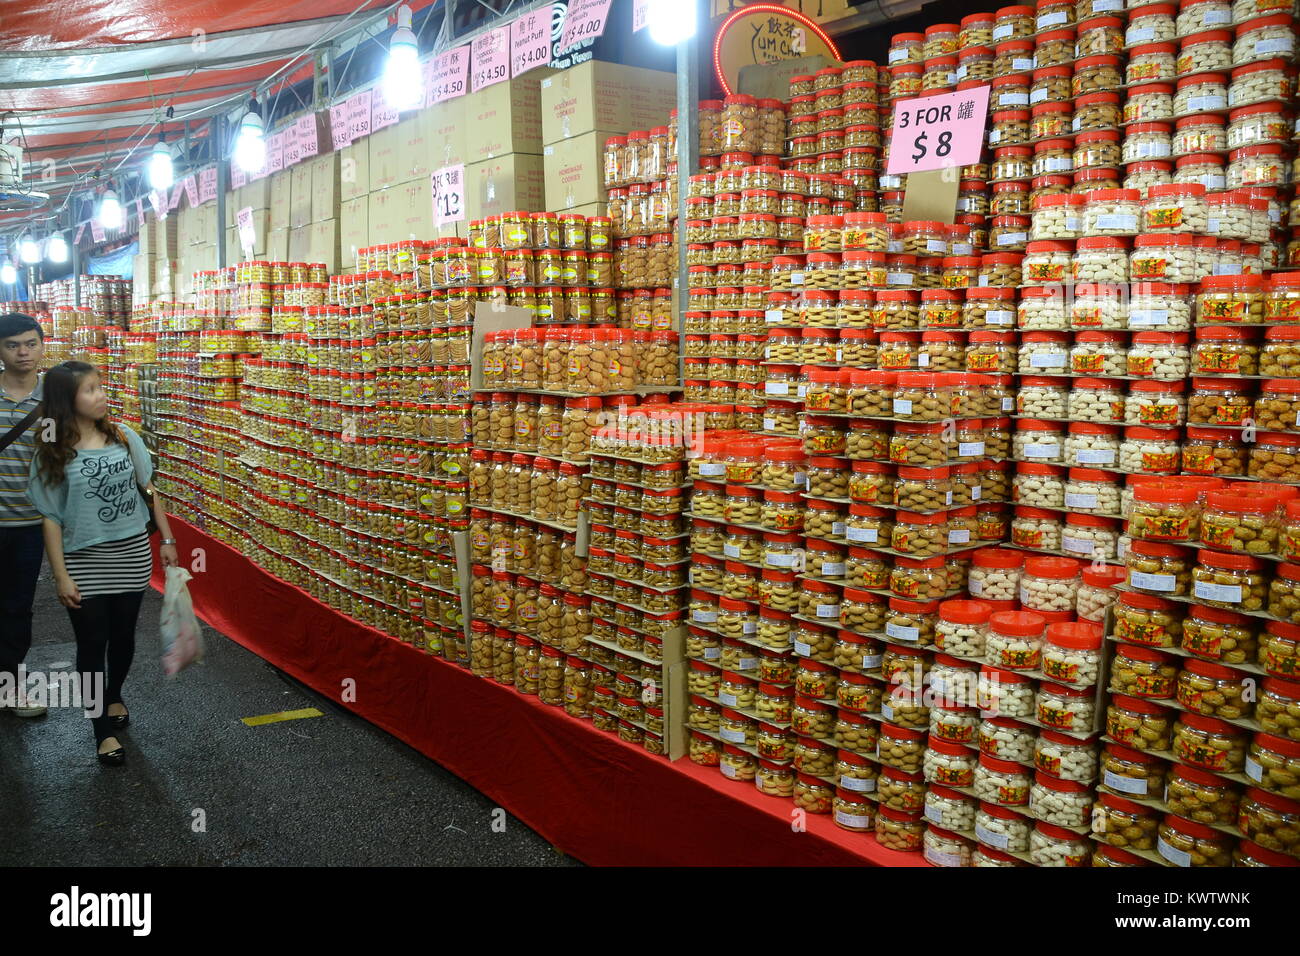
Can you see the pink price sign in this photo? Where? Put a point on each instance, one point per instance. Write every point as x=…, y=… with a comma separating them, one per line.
x=238, y=177
x=96, y=230
x=530, y=41
x=247, y=231
x=384, y=115
x=207, y=184
x=191, y=185
x=640, y=12
x=339, y=126
x=274, y=153
x=359, y=115
x=308, y=146
x=490, y=58
x=450, y=75
x=585, y=20
x=936, y=132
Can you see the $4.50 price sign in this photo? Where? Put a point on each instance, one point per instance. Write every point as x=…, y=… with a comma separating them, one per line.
x=448, y=194
x=490, y=56
x=450, y=75
x=935, y=132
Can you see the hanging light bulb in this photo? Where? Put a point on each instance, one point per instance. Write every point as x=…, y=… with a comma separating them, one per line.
x=56, y=250
x=28, y=250
x=161, y=172
x=8, y=274
x=671, y=21
x=110, y=210
x=250, y=141
x=403, y=89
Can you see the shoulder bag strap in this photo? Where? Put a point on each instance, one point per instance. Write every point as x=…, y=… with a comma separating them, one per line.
x=27, y=421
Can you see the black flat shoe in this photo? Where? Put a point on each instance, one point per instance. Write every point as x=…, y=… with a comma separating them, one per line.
x=122, y=720
x=114, y=758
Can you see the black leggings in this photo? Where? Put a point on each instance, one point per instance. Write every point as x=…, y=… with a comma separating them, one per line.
x=105, y=627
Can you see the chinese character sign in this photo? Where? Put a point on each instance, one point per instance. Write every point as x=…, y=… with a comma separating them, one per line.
x=936, y=132
x=585, y=20
x=490, y=54
x=448, y=194
x=530, y=41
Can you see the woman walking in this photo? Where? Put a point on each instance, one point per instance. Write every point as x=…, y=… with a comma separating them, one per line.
x=89, y=481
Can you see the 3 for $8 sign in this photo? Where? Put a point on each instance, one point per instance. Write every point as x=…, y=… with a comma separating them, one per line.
x=935, y=132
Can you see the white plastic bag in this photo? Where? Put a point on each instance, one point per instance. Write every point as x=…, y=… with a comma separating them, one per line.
x=182, y=641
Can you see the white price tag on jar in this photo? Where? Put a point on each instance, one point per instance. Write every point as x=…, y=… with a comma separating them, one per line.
x=1173, y=855
x=1076, y=500
x=1042, y=451
x=1118, y=221
x=999, y=317
x=854, y=783
x=802, y=649
x=900, y=632
x=1076, y=545
x=1254, y=769
x=1148, y=317
x=969, y=449
x=1095, y=456
x=1223, y=593
x=1124, y=784
x=999, y=840
x=959, y=536
x=1048, y=359
x=1153, y=582
x=903, y=406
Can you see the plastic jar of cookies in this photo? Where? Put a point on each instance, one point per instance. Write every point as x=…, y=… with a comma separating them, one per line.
x=1130, y=771
x=1229, y=581
x=1209, y=743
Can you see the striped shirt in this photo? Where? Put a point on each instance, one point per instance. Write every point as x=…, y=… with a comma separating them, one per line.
x=16, y=509
x=111, y=567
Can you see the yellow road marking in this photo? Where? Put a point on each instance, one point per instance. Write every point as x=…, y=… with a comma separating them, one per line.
x=282, y=715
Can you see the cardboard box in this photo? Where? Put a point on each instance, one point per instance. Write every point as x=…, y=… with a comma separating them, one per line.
x=414, y=218
x=323, y=243
x=299, y=243
x=325, y=187
x=504, y=118
x=354, y=170
x=575, y=171
x=515, y=181
x=599, y=95
x=281, y=185
x=277, y=246
x=300, y=195
x=385, y=157
x=354, y=228
x=415, y=147
x=447, y=137
x=255, y=195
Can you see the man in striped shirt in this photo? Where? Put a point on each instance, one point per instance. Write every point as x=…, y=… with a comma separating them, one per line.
x=22, y=346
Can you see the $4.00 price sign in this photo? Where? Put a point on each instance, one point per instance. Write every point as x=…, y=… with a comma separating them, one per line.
x=530, y=41
x=935, y=132
x=585, y=20
x=490, y=56
x=448, y=194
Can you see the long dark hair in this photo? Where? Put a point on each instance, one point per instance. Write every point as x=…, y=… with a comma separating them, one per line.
x=60, y=405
